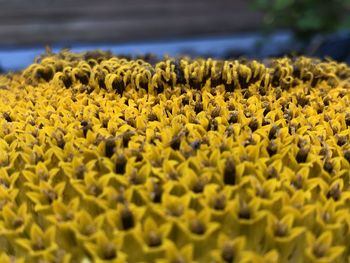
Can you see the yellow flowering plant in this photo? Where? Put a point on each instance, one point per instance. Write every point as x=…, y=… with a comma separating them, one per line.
x=111, y=159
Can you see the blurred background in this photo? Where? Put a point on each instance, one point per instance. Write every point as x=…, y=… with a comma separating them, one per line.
x=225, y=29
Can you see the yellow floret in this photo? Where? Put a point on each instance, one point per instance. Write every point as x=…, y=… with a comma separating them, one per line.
x=109, y=159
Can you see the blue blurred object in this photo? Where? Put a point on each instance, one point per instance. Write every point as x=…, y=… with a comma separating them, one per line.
x=248, y=45
x=254, y=46
x=336, y=46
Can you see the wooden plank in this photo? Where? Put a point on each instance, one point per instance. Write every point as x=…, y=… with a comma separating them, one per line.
x=62, y=12
x=119, y=21
x=16, y=4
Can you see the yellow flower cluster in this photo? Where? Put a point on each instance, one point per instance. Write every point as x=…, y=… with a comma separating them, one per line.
x=108, y=159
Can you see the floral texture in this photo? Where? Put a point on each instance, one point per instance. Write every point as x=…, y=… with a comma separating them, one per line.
x=111, y=159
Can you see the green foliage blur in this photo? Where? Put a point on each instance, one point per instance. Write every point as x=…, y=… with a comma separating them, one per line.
x=305, y=17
